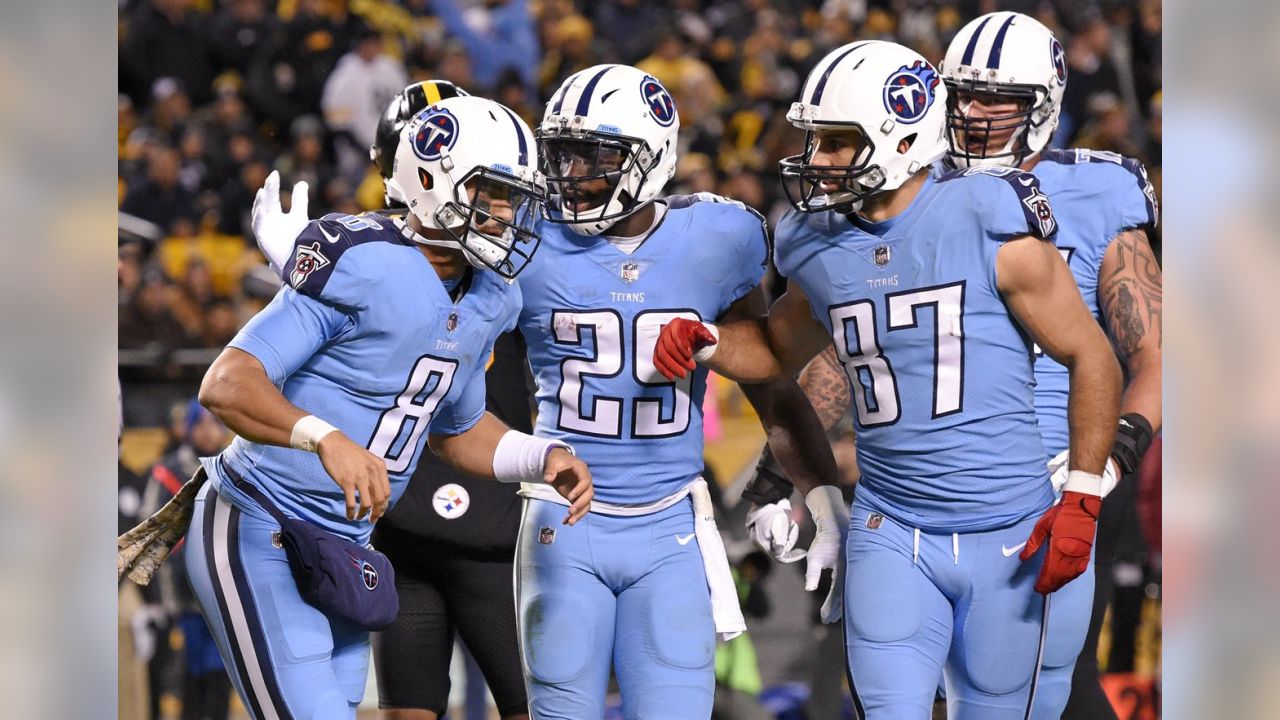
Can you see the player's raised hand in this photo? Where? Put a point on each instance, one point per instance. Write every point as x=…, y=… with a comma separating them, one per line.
x=679, y=346
x=275, y=229
x=773, y=531
x=1069, y=528
x=826, y=552
x=571, y=478
x=361, y=475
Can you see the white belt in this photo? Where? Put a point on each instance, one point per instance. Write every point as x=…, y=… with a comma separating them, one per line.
x=725, y=610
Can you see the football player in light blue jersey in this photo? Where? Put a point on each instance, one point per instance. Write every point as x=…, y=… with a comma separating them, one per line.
x=932, y=291
x=378, y=344
x=1005, y=73
x=642, y=584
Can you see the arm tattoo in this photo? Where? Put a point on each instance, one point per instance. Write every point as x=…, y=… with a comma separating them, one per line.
x=1131, y=296
x=827, y=388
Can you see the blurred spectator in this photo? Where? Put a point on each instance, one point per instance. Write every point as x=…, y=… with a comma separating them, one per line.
x=306, y=159
x=355, y=95
x=192, y=297
x=221, y=323
x=166, y=37
x=148, y=320
x=241, y=31
x=129, y=276
x=632, y=28
x=1109, y=128
x=159, y=197
x=1090, y=73
x=288, y=78
x=569, y=49
x=237, y=197
x=498, y=36
x=170, y=109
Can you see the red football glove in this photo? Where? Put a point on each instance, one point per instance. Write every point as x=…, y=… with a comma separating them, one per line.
x=1069, y=527
x=678, y=341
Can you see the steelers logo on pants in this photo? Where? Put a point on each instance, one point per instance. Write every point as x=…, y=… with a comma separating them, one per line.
x=451, y=501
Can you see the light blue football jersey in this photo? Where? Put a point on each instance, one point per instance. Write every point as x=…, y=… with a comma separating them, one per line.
x=366, y=337
x=941, y=373
x=591, y=319
x=1095, y=196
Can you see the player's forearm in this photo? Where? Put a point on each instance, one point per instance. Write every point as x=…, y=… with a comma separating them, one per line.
x=743, y=352
x=795, y=433
x=238, y=391
x=1143, y=393
x=471, y=451
x=1093, y=407
x=825, y=384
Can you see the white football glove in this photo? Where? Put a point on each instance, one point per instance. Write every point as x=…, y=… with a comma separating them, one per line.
x=773, y=531
x=274, y=229
x=831, y=516
x=1058, y=470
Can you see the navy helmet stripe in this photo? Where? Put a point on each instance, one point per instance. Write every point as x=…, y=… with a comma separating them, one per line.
x=584, y=100
x=560, y=99
x=993, y=60
x=524, y=147
x=822, y=81
x=973, y=42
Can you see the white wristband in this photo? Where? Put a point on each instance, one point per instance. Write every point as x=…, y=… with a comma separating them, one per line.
x=521, y=458
x=307, y=433
x=826, y=504
x=704, y=354
x=1083, y=482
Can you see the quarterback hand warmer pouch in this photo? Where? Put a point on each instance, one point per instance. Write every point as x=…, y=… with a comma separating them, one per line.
x=348, y=582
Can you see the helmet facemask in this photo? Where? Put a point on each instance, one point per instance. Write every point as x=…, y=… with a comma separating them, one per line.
x=594, y=178
x=802, y=179
x=970, y=139
x=493, y=218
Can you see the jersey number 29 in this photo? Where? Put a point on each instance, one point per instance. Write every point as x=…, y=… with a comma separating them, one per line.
x=601, y=333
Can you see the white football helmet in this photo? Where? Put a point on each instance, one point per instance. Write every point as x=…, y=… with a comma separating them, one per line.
x=887, y=93
x=608, y=146
x=1010, y=55
x=467, y=165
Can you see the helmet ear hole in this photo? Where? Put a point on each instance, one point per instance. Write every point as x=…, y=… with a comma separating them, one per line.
x=904, y=145
x=426, y=179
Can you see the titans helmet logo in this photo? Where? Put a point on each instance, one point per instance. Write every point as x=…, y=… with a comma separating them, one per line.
x=436, y=135
x=910, y=91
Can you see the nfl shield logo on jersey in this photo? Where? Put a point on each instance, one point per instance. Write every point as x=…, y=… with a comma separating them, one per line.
x=630, y=272
x=882, y=255
x=547, y=535
x=451, y=324
x=306, y=260
x=874, y=520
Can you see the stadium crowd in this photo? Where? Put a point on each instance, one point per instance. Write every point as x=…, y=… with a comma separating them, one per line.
x=217, y=93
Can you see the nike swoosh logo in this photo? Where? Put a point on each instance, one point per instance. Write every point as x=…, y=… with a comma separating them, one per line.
x=331, y=238
x=1026, y=181
x=1011, y=550
x=684, y=540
